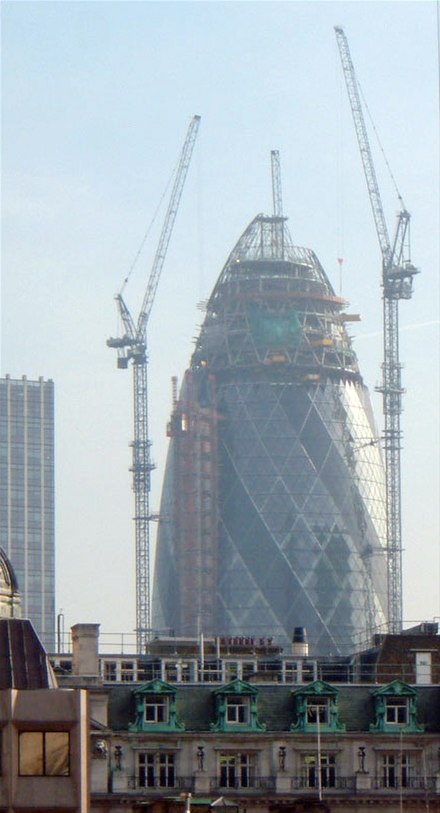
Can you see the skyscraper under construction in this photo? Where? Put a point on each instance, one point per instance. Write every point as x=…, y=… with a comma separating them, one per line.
x=273, y=504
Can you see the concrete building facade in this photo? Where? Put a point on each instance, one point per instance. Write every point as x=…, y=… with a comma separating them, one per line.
x=44, y=730
x=260, y=730
x=27, y=512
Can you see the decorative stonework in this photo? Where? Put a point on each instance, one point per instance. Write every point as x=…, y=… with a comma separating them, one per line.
x=155, y=708
x=236, y=708
x=395, y=708
x=316, y=708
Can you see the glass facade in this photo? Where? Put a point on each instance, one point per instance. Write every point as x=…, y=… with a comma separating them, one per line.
x=273, y=505
x=27, y=496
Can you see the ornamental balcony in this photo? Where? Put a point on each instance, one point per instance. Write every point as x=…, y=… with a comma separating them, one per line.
x=250, y=783
x=158, y=785
x=410, y=783
x=328, y=783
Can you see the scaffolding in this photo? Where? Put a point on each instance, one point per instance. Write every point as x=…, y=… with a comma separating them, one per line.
x=193, y=427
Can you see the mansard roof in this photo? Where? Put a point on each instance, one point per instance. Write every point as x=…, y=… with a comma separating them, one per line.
x=195, y=707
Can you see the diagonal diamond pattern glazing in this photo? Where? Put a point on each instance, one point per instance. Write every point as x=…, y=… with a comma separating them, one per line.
x=275, y=423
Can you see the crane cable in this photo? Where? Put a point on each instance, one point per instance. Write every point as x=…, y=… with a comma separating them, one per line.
x=340, y=176
x=147, y=233
x=364, y=101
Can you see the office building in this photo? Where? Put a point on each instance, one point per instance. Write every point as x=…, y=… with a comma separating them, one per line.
x=273, y=503
x=43, y=730
x=27, y=496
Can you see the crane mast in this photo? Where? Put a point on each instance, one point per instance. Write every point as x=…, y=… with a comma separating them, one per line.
x=132, y=346
x=397, y=277
x=277, y=196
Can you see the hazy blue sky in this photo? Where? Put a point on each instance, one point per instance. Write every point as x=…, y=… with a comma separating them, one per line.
x=97, y=97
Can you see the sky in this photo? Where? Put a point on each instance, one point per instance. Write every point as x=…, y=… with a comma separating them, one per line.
x=96, y=101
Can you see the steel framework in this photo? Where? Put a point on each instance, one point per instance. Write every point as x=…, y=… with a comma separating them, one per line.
x=277, y=195
x=132, y=346
x=397, y=277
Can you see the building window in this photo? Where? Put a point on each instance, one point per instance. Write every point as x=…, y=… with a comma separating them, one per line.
x=248, y=669
x=156, y=709
x=317, y=710
x=231, y=670
x=127, y=671
x=396, y=770
x=171, y=672
x=156, y=770
x=290, y=672
x=44, y=753
x=395, y=707
x=110, y=675
x=237, y=710
x=396, y=710
x=148, y=670
x=211, y=672
x=311, y=771
x=237, y=770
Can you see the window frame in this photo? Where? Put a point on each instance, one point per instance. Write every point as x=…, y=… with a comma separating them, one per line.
x=396, y=705
x=321, y=708
x=237, y=769
x=327, y=768
x=45, y=773
x=396, y=769
x=158, y=769
x=157, y=702
x=240, y=705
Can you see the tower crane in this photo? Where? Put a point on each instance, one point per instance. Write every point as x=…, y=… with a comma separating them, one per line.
x=132, y=346
x=397, y=278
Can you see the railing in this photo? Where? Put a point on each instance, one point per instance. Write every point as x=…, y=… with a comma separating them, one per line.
x=179, y=783
x=298, y=783
x=136, y=669
x=251, y=783
x=410, y=783
x=124, y=643
x=327, y=784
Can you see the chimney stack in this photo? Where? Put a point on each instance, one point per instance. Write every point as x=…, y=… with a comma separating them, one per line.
x=300, y=646
x=85, y=658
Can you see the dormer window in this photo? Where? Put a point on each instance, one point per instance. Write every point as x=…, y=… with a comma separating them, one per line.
x=155, y=708
x=395, y=707
x=237, y=710
x=316, y=708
